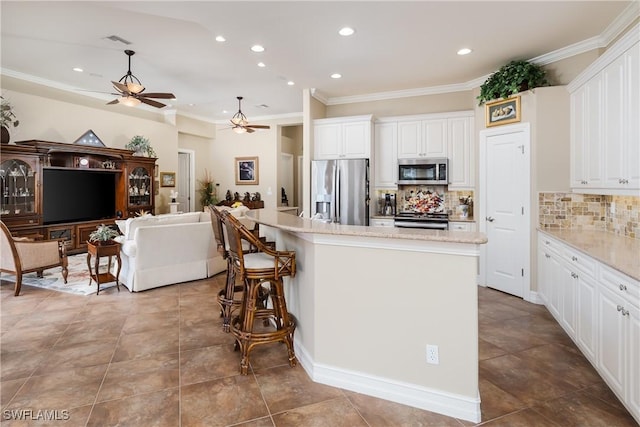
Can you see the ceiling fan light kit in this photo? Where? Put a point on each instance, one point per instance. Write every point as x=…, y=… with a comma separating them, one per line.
x=239, y=121
x=131, y=90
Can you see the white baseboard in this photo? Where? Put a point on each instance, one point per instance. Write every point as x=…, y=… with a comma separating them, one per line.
x=534, y=298
x=461, y=407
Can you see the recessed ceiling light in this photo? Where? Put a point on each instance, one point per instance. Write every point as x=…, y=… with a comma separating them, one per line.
x=261, y=64
x=78, y=69
x=224, y=111
x=464, y=51
x=220, y=39
x=257, y=48
x=290, y=83
x=336, y=75
x=346, y=31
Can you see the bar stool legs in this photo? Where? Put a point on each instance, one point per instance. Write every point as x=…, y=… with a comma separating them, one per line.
x=248, y=334
x=226, y=297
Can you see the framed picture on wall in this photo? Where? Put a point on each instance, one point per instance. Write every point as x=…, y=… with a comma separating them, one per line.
x=502, y=111
x=246, y=170
x=168, y=179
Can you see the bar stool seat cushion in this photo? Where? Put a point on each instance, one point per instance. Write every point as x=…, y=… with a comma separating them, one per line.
x=258, y=261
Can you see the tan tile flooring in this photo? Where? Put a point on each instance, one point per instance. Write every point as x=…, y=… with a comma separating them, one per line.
x=159, y=358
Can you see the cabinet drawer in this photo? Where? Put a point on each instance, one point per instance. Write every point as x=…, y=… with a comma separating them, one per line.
x=381, y=223
x=620, y=284
x=549, y=244
x=580, y=260
x=461, y=226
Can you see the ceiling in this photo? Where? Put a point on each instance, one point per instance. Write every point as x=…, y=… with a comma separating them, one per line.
x=397, y=47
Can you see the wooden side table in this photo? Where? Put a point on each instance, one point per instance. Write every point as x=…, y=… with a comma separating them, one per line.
x=97, y=251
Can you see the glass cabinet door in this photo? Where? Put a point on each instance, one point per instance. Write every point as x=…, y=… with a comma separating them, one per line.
x=18, y=187
x=139, y=188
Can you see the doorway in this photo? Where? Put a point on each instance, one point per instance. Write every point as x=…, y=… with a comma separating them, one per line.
x=505, y=208
x=186, y=181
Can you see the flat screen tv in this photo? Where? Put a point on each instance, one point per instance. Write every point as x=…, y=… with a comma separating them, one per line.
x=70, y=195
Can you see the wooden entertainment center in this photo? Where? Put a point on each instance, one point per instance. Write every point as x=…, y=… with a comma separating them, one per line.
x=22, y=187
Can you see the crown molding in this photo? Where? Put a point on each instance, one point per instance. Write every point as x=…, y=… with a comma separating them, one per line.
x=407, y=93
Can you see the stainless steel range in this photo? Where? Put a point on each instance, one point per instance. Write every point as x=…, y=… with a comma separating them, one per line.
x=434, y=221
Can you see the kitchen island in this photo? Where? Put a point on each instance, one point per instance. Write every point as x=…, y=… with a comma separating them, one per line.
x=368, y=301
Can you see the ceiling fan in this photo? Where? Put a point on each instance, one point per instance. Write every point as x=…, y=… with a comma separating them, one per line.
x=131, y=90
x=240, y=124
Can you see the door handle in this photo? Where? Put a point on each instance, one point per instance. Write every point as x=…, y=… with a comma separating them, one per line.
x=490, y=219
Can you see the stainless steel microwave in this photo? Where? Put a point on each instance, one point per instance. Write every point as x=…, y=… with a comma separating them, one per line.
x=428, y=171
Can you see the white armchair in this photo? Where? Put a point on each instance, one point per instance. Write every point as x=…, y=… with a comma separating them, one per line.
x=20, y=255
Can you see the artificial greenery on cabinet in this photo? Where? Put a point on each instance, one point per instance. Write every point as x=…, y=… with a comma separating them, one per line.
x=141, y=146
x=514, y=77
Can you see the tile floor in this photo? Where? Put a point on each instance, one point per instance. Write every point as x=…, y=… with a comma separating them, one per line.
x=159, y=358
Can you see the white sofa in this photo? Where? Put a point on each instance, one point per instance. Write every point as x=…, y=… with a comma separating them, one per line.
x=166, y=249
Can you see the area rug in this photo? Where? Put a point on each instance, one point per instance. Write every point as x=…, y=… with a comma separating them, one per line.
x=77, y=279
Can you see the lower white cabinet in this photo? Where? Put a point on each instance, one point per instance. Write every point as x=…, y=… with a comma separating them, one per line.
x=599, y=308
x=462, y=226
x=381, y=222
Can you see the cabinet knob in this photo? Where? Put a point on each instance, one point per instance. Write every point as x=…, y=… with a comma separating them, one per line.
x=623, y=287
x=490, y=219
x=620, y=308
x=574, y=258
x=574, y=275
x=547, y=255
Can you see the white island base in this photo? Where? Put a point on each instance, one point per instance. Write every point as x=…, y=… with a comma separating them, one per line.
x=368, y=301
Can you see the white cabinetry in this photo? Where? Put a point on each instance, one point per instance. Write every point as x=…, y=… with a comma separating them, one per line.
x=422, y=138
x=342, y=138
x=599, y=308
x=586, y=135
x=462, y=226
x=386, y=157
x=605, y=130
x=461, y=153
x=381, y=222
x=441, y=135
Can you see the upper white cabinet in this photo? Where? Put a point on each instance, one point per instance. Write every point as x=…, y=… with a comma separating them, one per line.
x=448, y=135
x=586, y=135
x=422, y=138
x=605, y=129
x=342, y=138
x=386, y=157
x=461, y=152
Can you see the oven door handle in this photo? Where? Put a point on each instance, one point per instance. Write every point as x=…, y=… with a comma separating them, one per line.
x=421, y=224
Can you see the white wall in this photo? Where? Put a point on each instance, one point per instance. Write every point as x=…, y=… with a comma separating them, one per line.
x=263, y=144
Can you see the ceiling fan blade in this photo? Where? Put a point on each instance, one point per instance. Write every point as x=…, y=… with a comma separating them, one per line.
x=115, y=101
x=159, y=95
x=120, y=87
x=150, y=102
x=258, y=126
x=249, y=130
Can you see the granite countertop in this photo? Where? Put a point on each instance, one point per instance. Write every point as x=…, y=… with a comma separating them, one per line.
x=296, y=224
x=618, y=252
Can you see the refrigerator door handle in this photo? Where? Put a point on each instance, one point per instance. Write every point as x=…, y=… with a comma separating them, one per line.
x=336, y=194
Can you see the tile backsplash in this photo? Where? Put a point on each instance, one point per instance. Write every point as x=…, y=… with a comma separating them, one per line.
x=616, y=214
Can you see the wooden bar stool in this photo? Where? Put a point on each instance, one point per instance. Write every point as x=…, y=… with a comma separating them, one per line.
x=267, y=266
x=226, y=296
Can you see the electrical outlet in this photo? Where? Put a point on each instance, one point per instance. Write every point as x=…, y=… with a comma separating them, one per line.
x=432, y=354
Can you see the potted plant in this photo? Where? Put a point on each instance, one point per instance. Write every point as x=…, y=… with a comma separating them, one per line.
x=514, y=77
x=103, y=235
x=207, y=190
x=141, y=146
x=7, y=119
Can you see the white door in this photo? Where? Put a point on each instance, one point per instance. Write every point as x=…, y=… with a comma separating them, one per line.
x=184, y=183
x=504, y=210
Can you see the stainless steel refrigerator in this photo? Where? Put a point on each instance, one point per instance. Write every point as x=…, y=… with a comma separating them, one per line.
x=340, y=191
